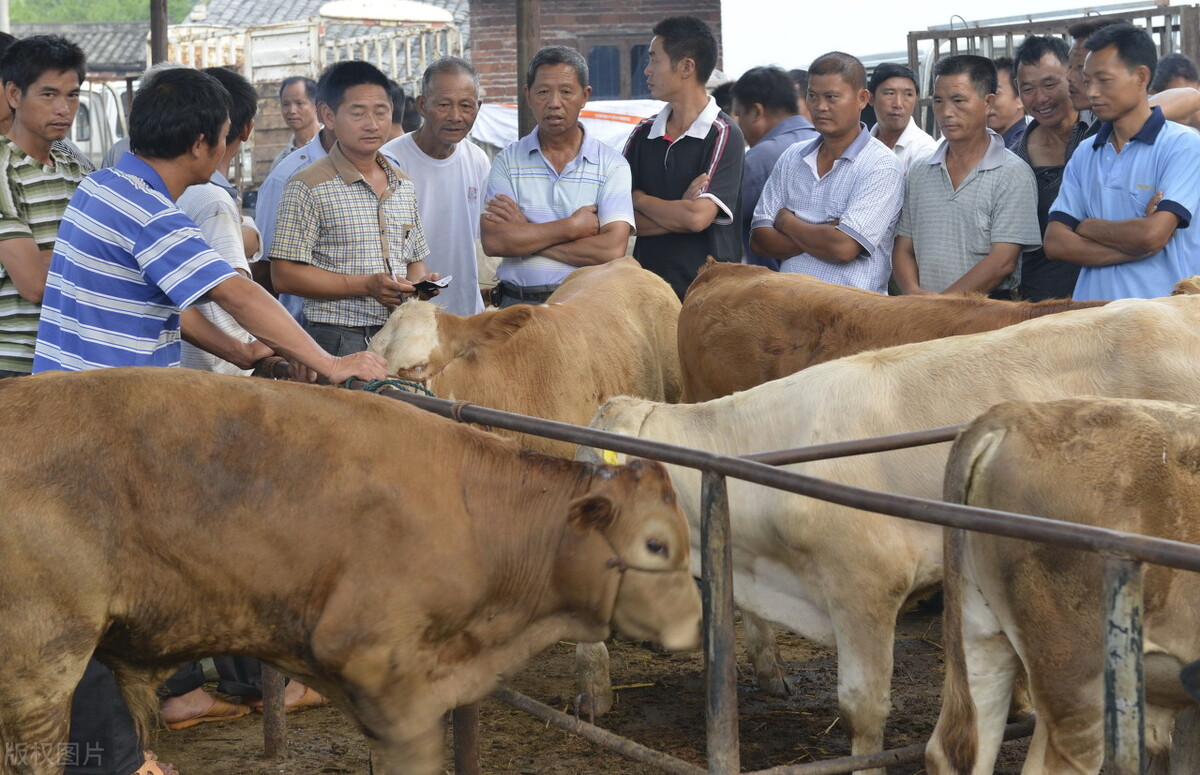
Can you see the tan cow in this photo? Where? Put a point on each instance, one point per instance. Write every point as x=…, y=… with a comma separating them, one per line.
x=838, y=575
x=609, y=330
x=399, y=563
x=1016, y=606
x=741, y=326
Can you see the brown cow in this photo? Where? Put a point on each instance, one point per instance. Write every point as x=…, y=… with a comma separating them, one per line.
x=741, y=326
x=1022, y=607
x=399, y=563
x=609, y=330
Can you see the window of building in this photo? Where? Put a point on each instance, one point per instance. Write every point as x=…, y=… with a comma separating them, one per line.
x=604, y=71
x=616, y=65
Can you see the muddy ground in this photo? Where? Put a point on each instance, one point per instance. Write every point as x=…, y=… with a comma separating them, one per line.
x=663, y=709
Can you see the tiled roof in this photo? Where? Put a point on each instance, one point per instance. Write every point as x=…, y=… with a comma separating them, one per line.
x=243, y=13
x=113, y=47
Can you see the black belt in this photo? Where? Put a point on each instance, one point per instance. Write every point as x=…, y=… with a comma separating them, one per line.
x=526, y=292
x=364, y=330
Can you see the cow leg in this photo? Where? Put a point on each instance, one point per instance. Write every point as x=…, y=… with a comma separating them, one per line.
x=764, y=655
x=593, y=685
x=35, y=710
x=864, y=653
x=1069, y=736
x=411, y=751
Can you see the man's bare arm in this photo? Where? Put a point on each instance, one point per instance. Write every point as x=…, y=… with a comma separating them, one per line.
x=610, y=244
x=313, y=282
x=904, y=268
x=821, y=240
x=990, y=271
x=1135, y=237
x=200, y=331
x=506, y=232
x=27, y=266
x=1180, y=105
x=1062, y=243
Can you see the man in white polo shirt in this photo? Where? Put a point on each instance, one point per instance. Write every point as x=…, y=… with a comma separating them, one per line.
x=558, y=198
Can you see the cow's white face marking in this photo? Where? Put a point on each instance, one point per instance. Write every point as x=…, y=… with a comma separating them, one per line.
x=408, y=339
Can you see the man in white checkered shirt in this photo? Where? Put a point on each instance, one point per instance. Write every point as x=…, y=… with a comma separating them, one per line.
x=830, y=206
x=348, y=238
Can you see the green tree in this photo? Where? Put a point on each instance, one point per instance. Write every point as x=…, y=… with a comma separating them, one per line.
x=68, y=11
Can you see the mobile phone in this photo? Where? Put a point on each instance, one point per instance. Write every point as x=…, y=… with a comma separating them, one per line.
x=430, y=287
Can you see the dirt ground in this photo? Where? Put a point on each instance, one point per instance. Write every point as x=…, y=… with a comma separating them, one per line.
x=663, y=708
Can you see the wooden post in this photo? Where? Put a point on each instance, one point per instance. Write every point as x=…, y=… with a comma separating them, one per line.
x=466, y=740
x=274, y=716
x=158, y=31
x=1124, y=686
x=529, y=37
x=720, y=646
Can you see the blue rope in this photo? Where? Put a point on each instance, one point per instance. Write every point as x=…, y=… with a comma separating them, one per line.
x=375, y=385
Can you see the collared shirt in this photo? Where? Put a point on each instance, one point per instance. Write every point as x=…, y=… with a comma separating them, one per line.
x=954, y=229
x=665, y=167
x=1041, y=278
x=597, y=176
x=863, y=190
x=760, y=160
x=1101, y=183
x=330, y=217
x=913, y=145
x=32, y=199
x=1013, y=134
x=127, y=260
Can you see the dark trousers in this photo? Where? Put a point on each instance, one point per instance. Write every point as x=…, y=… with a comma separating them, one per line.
x=509, y=295
x=102, y=740
x=341, y=340
x=240, y=677
x=5, y=374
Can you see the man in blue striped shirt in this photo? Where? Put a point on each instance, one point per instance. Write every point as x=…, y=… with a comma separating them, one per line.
x=127, y=260
x=558, y=198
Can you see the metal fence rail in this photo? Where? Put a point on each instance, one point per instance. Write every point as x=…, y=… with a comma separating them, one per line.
x=1124, y=722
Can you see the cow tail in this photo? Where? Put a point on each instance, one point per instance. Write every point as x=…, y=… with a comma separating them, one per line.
x=138, y=689
x=955, y=745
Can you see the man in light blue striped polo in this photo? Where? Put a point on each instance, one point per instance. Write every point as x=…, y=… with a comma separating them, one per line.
x=558, y=198
x=127, y=260
x=829, y=208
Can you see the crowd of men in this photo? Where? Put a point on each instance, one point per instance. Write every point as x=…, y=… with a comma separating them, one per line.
x=1058, y=175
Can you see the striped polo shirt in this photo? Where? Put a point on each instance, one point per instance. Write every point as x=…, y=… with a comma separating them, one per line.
x=126, y=262
x=598, y=176
x=32, y=199
x=330, y=217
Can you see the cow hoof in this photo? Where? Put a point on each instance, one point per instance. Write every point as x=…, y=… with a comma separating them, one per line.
x=591, y=705
x=776, y=686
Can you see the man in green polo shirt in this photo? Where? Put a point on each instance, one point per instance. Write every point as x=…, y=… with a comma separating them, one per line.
x=41, y=76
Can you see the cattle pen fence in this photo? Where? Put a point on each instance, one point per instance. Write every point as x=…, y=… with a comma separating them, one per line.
x=1124, y=555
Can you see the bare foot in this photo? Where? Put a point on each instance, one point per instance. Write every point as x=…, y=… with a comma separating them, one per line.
x=195, y=703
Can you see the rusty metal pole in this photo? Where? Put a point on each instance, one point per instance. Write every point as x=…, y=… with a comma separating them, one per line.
x=1124, y=684
x=529, y=37
x=720, y=645
x=466, y=740
x=158, y=31
x=274, y=717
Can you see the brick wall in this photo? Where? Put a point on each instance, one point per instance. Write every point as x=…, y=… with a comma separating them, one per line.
x=494, y=31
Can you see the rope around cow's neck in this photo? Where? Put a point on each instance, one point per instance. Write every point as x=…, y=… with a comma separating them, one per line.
x=375, y=385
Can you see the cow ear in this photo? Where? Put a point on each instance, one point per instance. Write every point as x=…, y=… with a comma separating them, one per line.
x=592, y=512
x=499, y=326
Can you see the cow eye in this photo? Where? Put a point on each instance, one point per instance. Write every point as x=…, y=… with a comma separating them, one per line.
x=654, y=546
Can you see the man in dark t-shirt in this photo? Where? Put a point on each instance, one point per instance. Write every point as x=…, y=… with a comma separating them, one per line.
x=686, y=160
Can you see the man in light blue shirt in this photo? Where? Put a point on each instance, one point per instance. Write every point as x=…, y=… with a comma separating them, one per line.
x=764, y=107
x=558, y=198
x=1128, y=196
x=830, y=206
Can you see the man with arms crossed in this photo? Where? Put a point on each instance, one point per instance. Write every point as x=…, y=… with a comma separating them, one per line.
x=830, y=205
x=686, y=160
x=1128, y=196
x=970, y=208
x=557, y=198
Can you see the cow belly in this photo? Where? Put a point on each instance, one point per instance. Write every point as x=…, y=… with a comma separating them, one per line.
x=775, y=592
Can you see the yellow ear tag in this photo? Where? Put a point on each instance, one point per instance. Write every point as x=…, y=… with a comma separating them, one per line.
x=610, y=457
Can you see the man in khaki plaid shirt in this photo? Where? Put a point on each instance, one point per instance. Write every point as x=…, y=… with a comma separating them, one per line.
x=348, y=238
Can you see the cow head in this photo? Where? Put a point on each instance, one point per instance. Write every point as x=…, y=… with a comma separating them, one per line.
x=644, y=537
x=419, y=339
x=624, y=415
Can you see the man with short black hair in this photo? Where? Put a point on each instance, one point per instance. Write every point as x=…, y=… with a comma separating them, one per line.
x=396, y=92
x=1006, y=116
x=800, y=80
x=830, y=205
x=348, y=238
x=764, y=108
x=450, y=174
x=894, y=96
x=970, y=209
x=298, y=105
x=686, y=160
x=557, y=198
x=1175, y=71
x=1129, y=196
